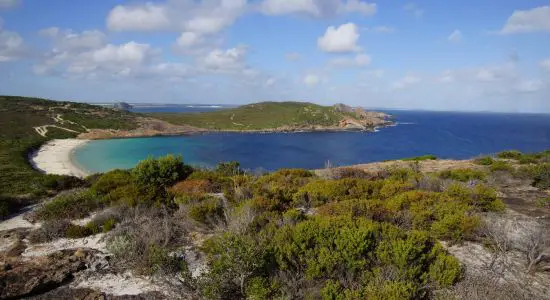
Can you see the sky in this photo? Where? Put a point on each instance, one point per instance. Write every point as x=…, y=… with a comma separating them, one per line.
x=485, y=55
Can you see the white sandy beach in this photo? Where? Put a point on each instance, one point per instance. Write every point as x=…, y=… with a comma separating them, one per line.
x=54, y=157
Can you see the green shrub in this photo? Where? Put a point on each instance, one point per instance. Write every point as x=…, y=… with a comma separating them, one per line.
x=463, y=175
x=542, y=176
x=455, y=227
x=93, y=227
x=529, y=159
x=445, y=270
x=161, y=172
x=421, y=158
x=229, y=169
x=500, y=165
x=544, y=202
x=484, y=161
x=109, y=224
x=72, y=205
x=160, y=261
x=61, y=182
x=258, y=288
x=511, y=154
x=76, y=232
x=153, y=176
x=207, y=211
x=234, y=262
x=111, y=181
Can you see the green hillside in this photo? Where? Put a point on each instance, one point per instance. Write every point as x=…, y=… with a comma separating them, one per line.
x=265, y=115
x=19, y=119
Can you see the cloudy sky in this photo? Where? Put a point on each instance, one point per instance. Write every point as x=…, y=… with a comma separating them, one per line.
x=435, y=55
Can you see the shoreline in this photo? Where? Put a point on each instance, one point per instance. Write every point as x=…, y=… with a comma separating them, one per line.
x=55, y=157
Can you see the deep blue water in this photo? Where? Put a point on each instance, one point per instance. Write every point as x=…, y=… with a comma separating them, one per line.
x=445, y=134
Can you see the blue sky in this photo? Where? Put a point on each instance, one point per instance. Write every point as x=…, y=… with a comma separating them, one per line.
x=436, y=55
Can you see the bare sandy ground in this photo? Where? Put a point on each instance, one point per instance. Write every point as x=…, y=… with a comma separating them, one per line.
x=54, y=157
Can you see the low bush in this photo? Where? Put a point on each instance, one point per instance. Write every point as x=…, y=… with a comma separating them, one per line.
x=421, y=158
x=77, y=231
x=153, y=177
x=463, y=175
x=228, y=169
x=541, y=175
x=191, y=186
x=529, y=159
x=70, y=205
x=510, y=154
x=111, y=181
x=208, y=211
x=49, y=231
x=341, y=173
x=143, y=237
x=501, y=166
x=484, y=161
x=109, y=224
x=544, y=202
x=61, y=182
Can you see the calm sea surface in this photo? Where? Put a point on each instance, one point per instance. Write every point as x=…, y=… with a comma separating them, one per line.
x=445, y=134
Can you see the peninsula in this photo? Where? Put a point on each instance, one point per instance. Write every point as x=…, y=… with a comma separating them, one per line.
x=281, y=117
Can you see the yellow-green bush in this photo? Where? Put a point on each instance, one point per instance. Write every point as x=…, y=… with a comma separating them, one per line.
x=207, y=211
x=71, y=205
x=463, y=175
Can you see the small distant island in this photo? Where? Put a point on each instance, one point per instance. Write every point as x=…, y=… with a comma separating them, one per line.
x=281, y=117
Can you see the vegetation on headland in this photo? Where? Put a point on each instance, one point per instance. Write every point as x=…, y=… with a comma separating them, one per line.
x=21, y=120
x=291, y=233
x=276, y=116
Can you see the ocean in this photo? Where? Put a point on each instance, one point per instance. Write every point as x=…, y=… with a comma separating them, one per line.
x=453, y=135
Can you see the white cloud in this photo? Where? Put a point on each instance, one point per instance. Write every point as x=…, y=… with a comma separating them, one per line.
x=340, y=39
x=129, y=54
x=407, y=81
x=455, y=36
x=317, y=8
x=523, y=21
x=311, y=79
x=414, y=9
x=224, y=61
x=68, y=40
x=189, y=39
x=11, y=45
x=282, y=7
x=360, y=60
x=364, y=8
x=8, y=3
x=85, y=61
x=204, y=17
x=545, y=64
x=147, y=17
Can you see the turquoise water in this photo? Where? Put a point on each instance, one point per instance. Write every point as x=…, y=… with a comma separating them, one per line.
x=447, y=135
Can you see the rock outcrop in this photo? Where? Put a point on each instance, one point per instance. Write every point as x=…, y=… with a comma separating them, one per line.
x=358, y=118
x=20, y=278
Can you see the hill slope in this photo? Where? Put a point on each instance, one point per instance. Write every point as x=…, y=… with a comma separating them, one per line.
x=279, y=116
x=25, y=123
